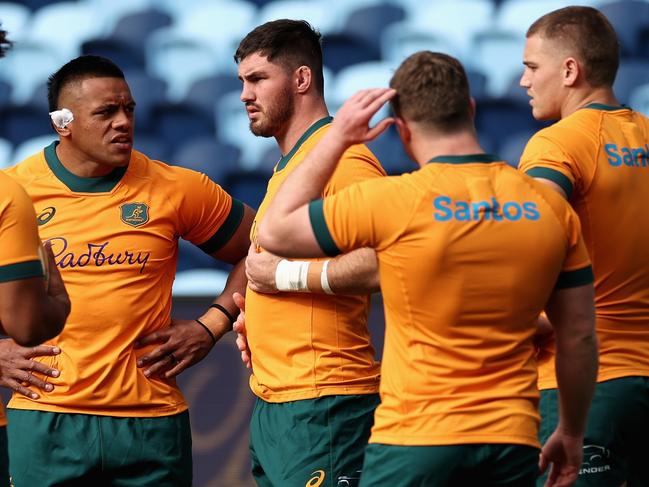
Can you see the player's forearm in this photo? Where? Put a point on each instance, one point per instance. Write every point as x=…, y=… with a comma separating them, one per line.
x=305, y=184
x=218, y=318
x=576, y=369
x=356, y=272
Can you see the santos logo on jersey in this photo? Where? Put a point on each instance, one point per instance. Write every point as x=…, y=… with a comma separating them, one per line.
x=446, y=209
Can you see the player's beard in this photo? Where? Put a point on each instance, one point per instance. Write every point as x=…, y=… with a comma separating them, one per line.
x=275, y=116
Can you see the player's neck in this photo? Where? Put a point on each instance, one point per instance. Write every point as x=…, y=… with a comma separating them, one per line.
x=580, y=98
x=304, y=116
x=427, y=146
x=79, y=165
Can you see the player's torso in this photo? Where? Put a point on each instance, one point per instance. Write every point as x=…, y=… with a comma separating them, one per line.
x=116, y=249
x=306, y=345
x=616, y=230
x=460, y=312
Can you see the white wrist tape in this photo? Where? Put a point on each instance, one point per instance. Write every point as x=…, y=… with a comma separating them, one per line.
x=324, y=281
x=292, y=276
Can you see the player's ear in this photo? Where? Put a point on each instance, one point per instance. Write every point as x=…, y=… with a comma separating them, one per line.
x=571, y=70
x=303, y=79
x=403, y=130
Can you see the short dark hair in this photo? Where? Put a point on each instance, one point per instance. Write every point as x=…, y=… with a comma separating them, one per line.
x=288, y=43
x=589, y=34
x=433, y=90
x=5, y=43
x=78, y=69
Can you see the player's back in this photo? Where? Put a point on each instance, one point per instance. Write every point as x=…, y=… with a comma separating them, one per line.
x=603, y=152
x=479, y=252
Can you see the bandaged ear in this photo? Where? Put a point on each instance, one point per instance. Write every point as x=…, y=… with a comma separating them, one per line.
x=61, y=118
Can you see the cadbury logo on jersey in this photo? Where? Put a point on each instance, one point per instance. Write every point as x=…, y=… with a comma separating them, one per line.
x=97, y=255
x=628, y=156
x=446, y=209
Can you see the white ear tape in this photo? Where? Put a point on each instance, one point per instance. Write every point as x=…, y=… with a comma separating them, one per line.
x=61, y=118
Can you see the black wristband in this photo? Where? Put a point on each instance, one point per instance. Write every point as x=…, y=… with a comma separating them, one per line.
x=223, y=310
x=209, y=332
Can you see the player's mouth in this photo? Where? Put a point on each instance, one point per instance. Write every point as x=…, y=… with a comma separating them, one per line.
x=122, y=142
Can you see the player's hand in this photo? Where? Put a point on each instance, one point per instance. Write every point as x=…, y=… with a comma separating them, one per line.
x=239, y=327
x=563, y=454
x=351, y=123
x=182, y=344
x=19, y=372
x=260, y=271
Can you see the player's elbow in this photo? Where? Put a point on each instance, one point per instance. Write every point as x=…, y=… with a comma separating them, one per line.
x=34, y=328
x=272, y=238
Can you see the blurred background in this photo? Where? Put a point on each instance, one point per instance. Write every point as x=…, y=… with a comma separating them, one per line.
x=177, y=57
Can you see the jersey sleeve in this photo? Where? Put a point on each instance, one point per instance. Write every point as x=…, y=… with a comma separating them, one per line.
x=357, y=164
x=359, y=217
x=545, y=157
x=208, y=215
x=577, y=269
x=20, y=243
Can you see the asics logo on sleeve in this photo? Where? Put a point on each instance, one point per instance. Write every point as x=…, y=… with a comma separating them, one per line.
x=627, y=156
x=46, y=215
x=447, y=209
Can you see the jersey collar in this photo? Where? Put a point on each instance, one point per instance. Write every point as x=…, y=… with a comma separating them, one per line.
x=465, y=159
x=309, y=132
x=608, y=108
x=101, y=184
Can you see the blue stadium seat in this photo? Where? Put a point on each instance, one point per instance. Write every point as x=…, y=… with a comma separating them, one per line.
x=233, y=127
x=64, y=26
x=23, y=122
x=116, y=50
x=631, y=74
x=456, y=20
x=26, y=66
x=499, y=54
x=639, y=99
x=135, y=28
x=205, y=93
x=209, y=156
x=402, y=39
x=370, y=21
x=34, y=5
x=498, y=119
x=5, y=93
x=31, y=146
x=179, y=60
x=178, y=123
x=146, y=91
x=517, y=15
x=191, y=257
x=249, y=186
x=113, y=10
x=152, y=146
x=477, y=84
x=319, y=13
x=344, y=49
x=220, y=24
x=14, y=18
x=629, y=18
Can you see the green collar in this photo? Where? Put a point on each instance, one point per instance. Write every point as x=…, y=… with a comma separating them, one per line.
x=466, y=159
x=608, y=108
x=320, y=123
x=101, y=184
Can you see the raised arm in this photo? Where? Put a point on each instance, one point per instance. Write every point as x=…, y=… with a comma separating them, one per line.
x=286, y=228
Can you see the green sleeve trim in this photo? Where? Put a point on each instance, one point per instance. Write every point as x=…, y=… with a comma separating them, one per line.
x=21, y=270
x=226, y=230
x=552, y=175
x=579, y=277
x=320, y=229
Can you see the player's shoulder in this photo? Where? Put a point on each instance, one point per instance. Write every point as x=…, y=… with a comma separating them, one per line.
x=30, y=168
x=163, y=172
